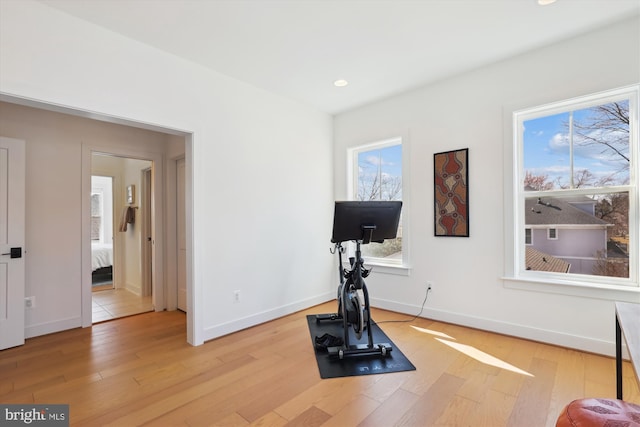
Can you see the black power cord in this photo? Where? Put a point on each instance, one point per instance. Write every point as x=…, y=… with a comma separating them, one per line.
x=426, y=295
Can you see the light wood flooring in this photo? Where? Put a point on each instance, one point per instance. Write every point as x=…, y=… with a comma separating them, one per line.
x=114, y=303
x=139, y=370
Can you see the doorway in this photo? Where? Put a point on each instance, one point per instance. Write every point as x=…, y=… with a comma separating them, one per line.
x=121, y=235
x=101, y=233
x=90, y=132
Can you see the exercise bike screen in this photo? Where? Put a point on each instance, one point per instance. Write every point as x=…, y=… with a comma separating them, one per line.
x=352, y=219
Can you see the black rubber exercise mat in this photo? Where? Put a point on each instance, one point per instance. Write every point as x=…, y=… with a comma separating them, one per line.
x=331, y=367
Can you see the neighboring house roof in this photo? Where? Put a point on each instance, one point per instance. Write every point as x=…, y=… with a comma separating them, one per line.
x=616, y=250
x=539, y=261
x=549, y=210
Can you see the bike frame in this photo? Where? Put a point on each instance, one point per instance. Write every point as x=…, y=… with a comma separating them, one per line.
x=354, y=280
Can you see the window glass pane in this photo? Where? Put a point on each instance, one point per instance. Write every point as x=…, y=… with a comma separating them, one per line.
x=601, y=145
x=592, y=234
x=584, y=148
x=380, y=178
x=380, y=174
x=545, y=153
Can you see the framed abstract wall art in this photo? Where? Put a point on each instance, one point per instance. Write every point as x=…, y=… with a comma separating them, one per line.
x=451, y=193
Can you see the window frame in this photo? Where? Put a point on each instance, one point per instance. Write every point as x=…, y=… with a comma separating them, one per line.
x=516, y=275
x=400, y=266
x=555, y=233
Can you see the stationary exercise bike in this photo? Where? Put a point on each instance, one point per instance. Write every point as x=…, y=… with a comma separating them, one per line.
x=362, y=223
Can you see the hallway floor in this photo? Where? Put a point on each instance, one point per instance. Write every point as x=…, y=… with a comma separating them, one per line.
x=114, y=303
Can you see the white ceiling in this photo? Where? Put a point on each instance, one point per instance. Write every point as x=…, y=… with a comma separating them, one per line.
x=297, y=48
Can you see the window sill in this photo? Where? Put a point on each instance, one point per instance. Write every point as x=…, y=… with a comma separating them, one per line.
x=573, y=288
x=397, y=269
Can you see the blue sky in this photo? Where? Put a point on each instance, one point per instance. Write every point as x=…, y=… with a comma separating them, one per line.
x=389, y=157
x=546, y=151
x=386, y=161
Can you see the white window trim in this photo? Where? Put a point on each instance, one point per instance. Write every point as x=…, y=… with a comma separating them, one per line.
x=530, y=236
x=398, y=267
x=549, y=237
x=517, y=277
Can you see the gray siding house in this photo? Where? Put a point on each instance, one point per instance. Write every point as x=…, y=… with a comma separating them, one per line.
x=565, y=229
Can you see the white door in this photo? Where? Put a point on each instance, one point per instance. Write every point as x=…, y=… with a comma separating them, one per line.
x=182, y=242
x=12, y=237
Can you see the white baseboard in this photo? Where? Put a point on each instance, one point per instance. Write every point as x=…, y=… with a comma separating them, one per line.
x=217, y=331
x=52, y=327
x=591, y=345
x=135, y=289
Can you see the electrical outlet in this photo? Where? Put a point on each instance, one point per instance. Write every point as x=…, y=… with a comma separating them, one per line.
x=429, y=286
x=236, y=296
x=30, y=302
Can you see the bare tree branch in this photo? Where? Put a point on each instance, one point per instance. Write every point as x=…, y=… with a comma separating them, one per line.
x=607, y=125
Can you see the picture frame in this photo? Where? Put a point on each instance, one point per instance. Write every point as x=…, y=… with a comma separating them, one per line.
x=451, y=193
x=131, y=194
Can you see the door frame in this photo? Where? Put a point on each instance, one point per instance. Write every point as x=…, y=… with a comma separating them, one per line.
x=180, y=221
x=147, y=242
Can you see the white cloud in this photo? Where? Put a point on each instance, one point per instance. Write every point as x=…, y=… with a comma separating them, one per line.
x=377, y=161
x=559, y=143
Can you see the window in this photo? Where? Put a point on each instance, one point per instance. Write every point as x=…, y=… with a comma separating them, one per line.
x=96, y=216
x=376, y=173
x=528, y=239
x=577, y=181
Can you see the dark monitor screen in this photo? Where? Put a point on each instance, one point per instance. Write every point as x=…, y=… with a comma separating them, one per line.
x=354, y=220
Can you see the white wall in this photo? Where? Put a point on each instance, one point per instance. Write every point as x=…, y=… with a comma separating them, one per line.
x=133, y=236
x=473, y=110
x=261, y=164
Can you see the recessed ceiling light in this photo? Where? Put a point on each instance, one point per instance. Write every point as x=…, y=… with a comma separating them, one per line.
x=340, y=83
x=545, y=2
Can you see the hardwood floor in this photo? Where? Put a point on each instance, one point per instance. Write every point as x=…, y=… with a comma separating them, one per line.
x=113, y=303
x=139, y=370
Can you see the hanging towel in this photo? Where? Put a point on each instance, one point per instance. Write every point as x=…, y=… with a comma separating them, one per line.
x=128, y=217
